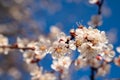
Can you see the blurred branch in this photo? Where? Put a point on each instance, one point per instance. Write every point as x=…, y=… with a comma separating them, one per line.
x=99, y=4
x=16, y=47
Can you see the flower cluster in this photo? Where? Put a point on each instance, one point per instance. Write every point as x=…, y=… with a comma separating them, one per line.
x=83, y=47
x=61, y=64
x=91, y=44
x=38, y=74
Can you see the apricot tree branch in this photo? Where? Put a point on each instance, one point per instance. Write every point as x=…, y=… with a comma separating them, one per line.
x=17, y=47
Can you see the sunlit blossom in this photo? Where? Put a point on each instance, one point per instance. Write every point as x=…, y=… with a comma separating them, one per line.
x=37, y=74
x=93, y=1
x=42, y=46
x=103, y=70
x=28, y=56
x=118, y=49
x=4, y=42
x=88, y=51
x=61, y=64
x=22, y=42
x=80, y=62
x=117, y=61
x=108, y=53
x=96, y=20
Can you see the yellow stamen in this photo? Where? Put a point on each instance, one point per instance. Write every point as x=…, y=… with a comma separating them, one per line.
x=43, y=48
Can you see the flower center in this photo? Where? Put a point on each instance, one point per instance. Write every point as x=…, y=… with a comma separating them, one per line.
x=58, y=50
x=78, y=43
x=106, y=52
x=43, y=48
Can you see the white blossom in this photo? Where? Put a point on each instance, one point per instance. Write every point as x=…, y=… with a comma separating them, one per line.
x=15, y=73
x=59, y=49
x=4, y=42
x=118, y=49
x=117, y=61
x=72, y=45
x=54, y=31
x=62, y=37
x=22, y=42
x=37, y=74
x=103, y=70
x=61, y=64
x=42, y=46
x=28, y=56
x=89, y=41
x=80, y=62
x=96, y=20
x=93, y=1
x=108, y=53
x=88, y=51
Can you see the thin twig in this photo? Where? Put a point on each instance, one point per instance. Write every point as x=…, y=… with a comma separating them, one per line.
x=60, y=78
x=100, y=7
x=99, y=4
x=92, y=76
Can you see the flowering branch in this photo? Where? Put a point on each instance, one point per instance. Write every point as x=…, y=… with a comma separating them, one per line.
x=92, y=44
x=90, y=47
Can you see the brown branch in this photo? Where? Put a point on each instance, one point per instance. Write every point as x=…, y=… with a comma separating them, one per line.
x=17, y=47
x=100, y=4
x=92, y=76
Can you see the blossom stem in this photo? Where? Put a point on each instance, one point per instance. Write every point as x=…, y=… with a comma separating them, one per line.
x=92, y=76
x=60, y=78
x=100, y=7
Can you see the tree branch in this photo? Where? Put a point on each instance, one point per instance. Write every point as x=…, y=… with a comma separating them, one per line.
x=17, y=47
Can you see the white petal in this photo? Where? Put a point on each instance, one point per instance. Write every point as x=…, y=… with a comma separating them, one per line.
x=93, y=1
x=118, y=49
